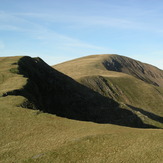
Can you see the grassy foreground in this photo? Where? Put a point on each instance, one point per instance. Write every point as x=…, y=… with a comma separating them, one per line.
x=32, y=136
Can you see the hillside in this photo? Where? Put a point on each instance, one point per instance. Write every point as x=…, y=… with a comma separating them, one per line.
x=30, y=135
x=135, y=85
x=52, y=92
x=111, y=62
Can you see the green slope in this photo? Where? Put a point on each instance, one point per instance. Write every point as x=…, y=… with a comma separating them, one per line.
x=116, y=65
x=50, y=91
x=124, y=82
x=33, y=136
x=9, y=80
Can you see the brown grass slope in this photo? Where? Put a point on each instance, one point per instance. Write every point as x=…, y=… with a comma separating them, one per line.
x=112, y=62
x=138, y=90
x=50, y=91
x=8, y=76
x=28, y=135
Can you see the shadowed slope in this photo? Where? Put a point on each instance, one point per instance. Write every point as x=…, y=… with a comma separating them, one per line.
x=53, y=92
x=50, y=91
x=124, y=82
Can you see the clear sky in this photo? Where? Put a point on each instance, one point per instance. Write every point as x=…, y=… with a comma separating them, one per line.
x=60, y=30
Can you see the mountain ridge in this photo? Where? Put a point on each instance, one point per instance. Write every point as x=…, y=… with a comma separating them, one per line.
x=98, y=95
x=123, y=64
x=125, y=84
x=50, y=91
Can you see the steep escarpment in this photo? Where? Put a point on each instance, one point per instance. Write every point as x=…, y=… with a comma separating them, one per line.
x=142, y=71
x=52, y=92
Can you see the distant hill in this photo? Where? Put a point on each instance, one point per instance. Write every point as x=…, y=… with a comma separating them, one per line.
x=142, y=71
x=136, y=85
x=117, y=63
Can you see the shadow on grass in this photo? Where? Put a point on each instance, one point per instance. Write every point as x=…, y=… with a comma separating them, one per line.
x=50, y=91
x=148, y=114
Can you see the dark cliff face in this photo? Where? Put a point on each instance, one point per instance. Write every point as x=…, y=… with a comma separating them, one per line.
x=142, y=71
x=50, y=91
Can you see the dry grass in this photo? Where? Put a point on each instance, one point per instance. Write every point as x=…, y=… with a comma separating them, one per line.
x=9, y=80
x=86, y=66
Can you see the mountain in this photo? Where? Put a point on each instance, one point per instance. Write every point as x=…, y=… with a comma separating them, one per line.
x=135, y=85
x=30, y=91
x=50, y=91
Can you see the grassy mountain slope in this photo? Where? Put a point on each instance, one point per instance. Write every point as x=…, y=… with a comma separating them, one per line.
x=50, y=91
x=29, y=135
x=98, y=64
x=139, y=89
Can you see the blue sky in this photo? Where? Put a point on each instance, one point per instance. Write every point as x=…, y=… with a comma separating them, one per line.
x=60, y=30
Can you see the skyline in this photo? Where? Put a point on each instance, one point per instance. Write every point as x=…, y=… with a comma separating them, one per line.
x=57, y=31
